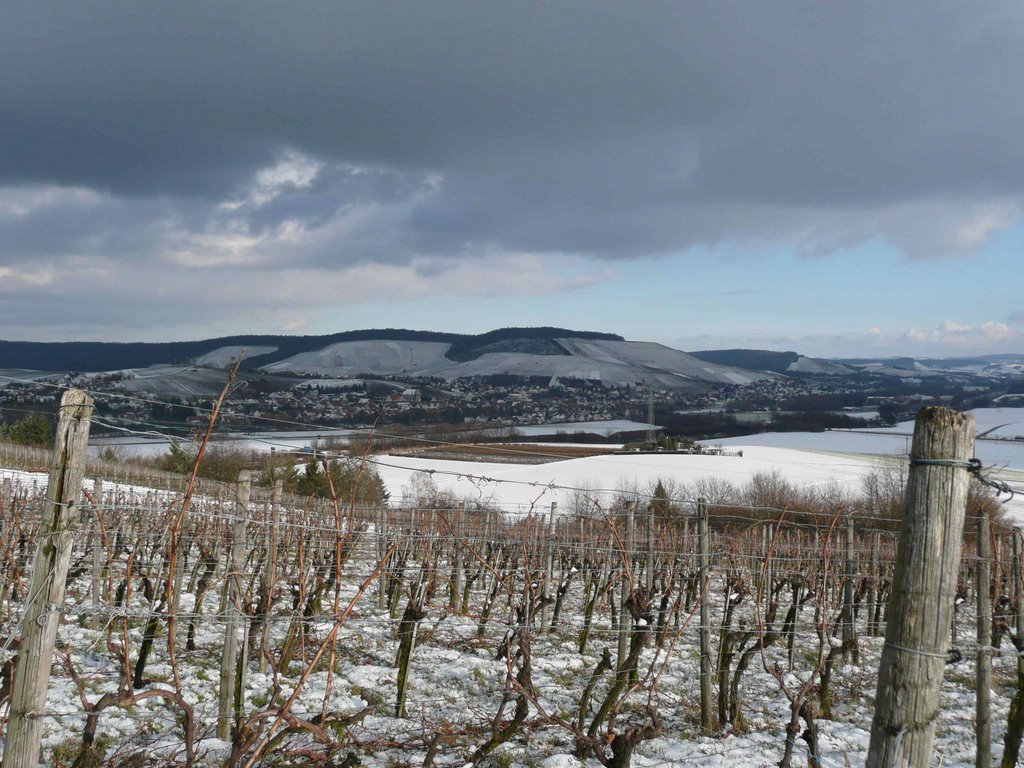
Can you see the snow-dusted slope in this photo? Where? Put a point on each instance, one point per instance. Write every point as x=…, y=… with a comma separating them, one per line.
x=612, y=363
x=813, y=365
x=348, y=358
x=658, y=359
x=9, y=375
x=174, y=380
x=222, y=357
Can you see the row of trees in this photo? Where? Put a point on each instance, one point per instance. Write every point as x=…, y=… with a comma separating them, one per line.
x=350, y=479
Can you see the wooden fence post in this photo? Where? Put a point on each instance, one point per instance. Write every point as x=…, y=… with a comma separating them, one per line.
x=49, y=573
x=229, y=672
x=707, y=723
x=923, y=589
x=983, y=690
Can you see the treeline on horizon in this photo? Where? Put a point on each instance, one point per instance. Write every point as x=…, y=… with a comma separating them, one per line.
x=108, y=356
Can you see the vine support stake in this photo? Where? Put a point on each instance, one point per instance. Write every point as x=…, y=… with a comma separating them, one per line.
x=49, y=574
x=983, y=692
x=230, y=677
x=99, y=559
x=704, y=543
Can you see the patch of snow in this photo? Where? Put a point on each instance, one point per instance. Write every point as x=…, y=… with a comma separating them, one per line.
x=223, y=357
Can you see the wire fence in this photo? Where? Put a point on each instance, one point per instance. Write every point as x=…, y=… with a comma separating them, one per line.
x=439, y=628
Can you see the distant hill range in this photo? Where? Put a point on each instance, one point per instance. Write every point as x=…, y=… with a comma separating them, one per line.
x=777, y=362
x=992, y=365
x=550, y=354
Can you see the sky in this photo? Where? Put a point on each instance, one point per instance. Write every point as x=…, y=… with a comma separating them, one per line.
x=840, y=179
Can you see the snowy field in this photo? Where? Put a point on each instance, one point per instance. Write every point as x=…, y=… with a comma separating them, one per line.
x=518, y=487
x=805, y=459
x=1004, y=423
x=458, y=681
x=1005, y=455
x=521, y=487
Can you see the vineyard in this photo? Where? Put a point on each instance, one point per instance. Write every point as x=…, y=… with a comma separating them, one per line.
x=207, y=623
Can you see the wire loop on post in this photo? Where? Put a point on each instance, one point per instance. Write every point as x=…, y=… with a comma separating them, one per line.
x=975, y=468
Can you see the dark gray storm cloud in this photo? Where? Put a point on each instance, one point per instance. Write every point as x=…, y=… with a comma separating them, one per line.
x=803, y=102
x=329, y=133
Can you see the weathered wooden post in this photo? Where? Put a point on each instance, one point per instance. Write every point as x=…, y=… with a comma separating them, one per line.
x=923, y=590
x=849, y=632
x=767, y=535
x=649, y=564
x=384, y=580
x=269, y=575
x=983, y=690
x=230, y=679
x=1015, y=719
x=872, y=585
x=625, y=625
x=707, y=723
x=407, y=630
x=549, y=565
x=98, y=556
x=49, y=573
x=6, y=498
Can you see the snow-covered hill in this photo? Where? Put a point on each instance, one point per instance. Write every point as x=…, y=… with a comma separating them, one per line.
x=612, y=363
x=376, y=356
x=223, y=357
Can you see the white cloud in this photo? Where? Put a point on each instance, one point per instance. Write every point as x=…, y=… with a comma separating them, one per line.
x=16, y=278
x=293, y=170
x=20, y=201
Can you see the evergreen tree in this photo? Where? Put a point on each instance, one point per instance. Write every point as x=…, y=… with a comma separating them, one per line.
x=34, y=429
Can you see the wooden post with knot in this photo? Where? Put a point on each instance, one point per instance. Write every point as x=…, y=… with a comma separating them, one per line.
x=49, y=574
x=232, y=685
x=923, y=590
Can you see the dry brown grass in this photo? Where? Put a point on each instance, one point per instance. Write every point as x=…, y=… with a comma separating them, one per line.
x=512, y=453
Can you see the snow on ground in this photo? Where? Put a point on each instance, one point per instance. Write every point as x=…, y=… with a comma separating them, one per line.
x=837, y=441
x=173, y=380
x=33, y=482
x=518, y=486
x=1006, y=423
x=811, y=365
x=10, y=375
x=380, y=356
x=613, y=363
x=1004, y=457
x=1003, y=454
x=804, y=459
x=456, y=679
x=657, y=358
x=222, y=357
